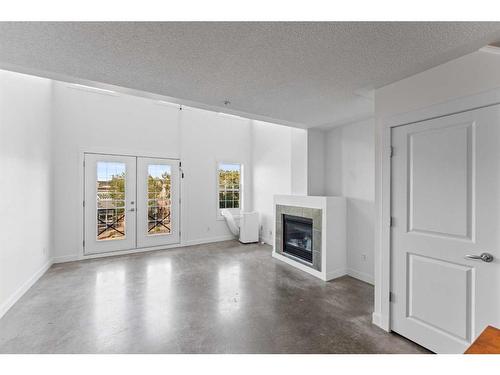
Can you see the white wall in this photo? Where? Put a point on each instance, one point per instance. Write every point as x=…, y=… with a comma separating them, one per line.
x=472, y=74
x=86, y=120
x=274, y=157
x=89, y=121
x=316, y=168
x=208, y=138
x=465, y=76
x=350, y=170
x=25, y=183
x=334, y=168
x=341, y=163
x=46, y=126
x=272, y=174
x=298, y=160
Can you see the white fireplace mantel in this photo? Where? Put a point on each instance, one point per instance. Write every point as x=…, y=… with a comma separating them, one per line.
x=333, y=234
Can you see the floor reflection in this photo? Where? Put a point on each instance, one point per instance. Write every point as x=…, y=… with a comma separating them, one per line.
x=109, y=304
x=159, y=298
x=229, y=287
x=219, y=298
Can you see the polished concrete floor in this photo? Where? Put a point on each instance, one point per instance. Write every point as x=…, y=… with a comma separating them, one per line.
x=218, y=298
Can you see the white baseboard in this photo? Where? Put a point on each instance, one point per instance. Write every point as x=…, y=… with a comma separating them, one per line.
x=325, y=276
x=23, y=288
x=381, y=321
x=202, y=241
x=267, y=240
x=361, y=276
x=376, y=319
x=298, y=265
x=122, y=252
x=335, y=274
x=65, y=258
x=75, y=257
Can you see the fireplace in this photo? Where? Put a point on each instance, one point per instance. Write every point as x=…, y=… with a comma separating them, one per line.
x=309, y=234
x=298, y=237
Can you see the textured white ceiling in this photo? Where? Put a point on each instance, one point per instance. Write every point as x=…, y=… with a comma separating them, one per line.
x=307, y=73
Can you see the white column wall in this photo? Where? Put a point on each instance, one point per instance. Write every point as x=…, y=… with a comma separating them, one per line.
x=25, y=183
x=349, y=169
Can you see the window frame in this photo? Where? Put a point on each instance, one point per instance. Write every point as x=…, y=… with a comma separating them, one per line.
x=234, y=211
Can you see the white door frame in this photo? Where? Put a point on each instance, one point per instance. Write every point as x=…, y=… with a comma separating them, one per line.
x=81, y=193
x=381, y=316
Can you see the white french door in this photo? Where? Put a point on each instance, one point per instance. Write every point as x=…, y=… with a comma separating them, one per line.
x=445, y=271
x=130, y=202
x=109, y=203
x=157, y=202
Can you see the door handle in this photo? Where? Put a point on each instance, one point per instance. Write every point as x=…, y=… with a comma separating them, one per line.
x=132, y=210
x=485, y=257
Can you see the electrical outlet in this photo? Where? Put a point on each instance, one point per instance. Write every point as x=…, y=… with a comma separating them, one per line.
x=208, y=229
x=270, y=232
x=44, y=251
x=363, y=256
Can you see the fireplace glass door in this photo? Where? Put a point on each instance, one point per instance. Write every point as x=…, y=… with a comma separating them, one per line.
x=298, y=237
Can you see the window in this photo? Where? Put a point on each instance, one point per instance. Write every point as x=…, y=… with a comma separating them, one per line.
x=110, y=200
x=159, y=200
x=229, y=185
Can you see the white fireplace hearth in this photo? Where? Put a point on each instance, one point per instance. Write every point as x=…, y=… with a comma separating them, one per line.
x=310, y=234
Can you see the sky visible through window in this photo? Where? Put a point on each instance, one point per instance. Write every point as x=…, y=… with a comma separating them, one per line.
x=157, y=171
x=229, y=167
x=106, y=170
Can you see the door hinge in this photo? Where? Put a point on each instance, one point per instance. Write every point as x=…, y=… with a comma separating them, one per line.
x=83, y=243
x=391, y=152
x=392, y=298
x=180, y=169
x=83, y=203
x=392, y=221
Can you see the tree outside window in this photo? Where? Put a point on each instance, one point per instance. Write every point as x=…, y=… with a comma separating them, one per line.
x=229, y=176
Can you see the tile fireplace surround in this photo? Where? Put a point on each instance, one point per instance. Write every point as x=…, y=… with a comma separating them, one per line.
x=328, y=216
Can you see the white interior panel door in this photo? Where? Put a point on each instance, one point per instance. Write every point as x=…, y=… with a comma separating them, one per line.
x=445, y=209
x=109, y=203
x=157, y=202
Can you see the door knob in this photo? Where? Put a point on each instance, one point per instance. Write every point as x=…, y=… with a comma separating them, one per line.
x=132, y=210
x=485, y=257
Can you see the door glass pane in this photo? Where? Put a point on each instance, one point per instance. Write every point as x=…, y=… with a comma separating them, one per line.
x=110, y=200
x=159, y=200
